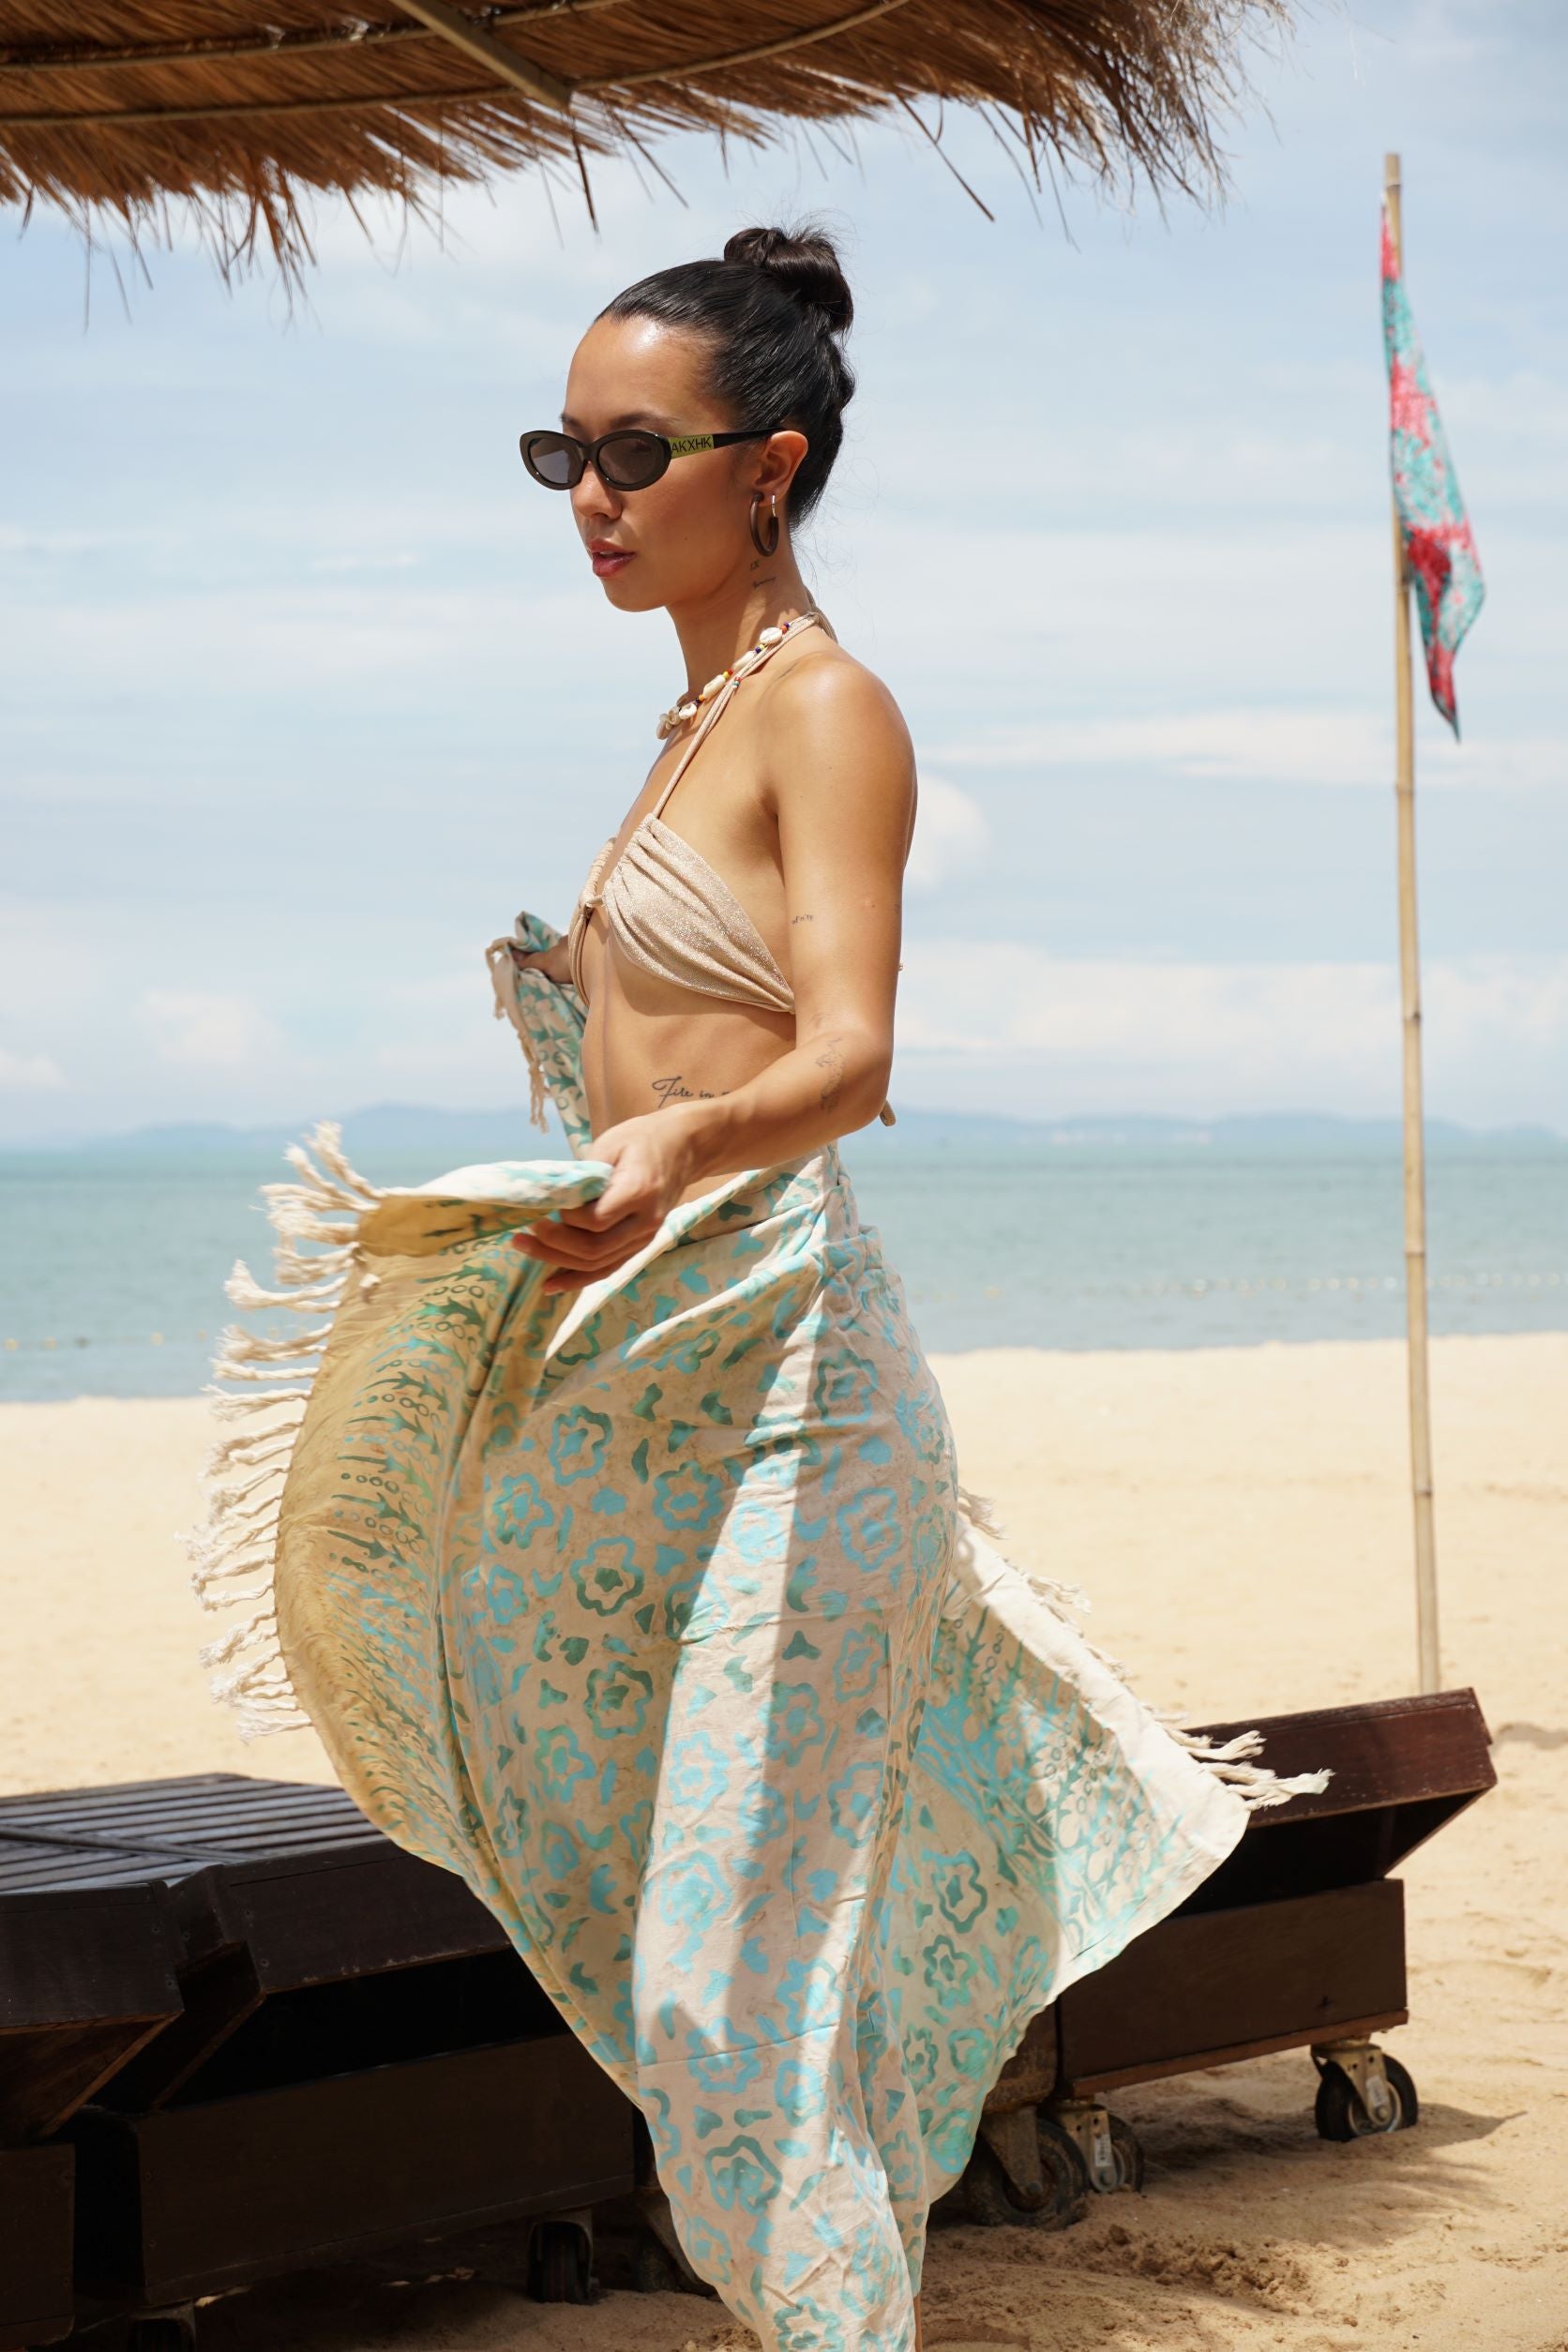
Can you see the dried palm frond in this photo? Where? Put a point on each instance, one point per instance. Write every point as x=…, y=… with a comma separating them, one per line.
x=236, y=109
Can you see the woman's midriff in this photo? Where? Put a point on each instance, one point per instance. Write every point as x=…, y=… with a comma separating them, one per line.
x=649, y=1044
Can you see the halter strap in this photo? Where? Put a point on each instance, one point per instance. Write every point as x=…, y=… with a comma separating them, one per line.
x=720, y=702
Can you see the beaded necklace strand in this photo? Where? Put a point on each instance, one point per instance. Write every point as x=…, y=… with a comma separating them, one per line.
x=689, y=704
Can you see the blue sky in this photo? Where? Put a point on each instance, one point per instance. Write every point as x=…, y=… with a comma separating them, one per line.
x=305, y=689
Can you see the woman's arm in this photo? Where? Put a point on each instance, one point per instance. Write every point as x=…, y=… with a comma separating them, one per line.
x=842, y=790
x=841, y=784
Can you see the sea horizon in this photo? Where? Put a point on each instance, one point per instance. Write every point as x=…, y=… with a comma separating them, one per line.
x=394, y=1123
x=1148, y=1232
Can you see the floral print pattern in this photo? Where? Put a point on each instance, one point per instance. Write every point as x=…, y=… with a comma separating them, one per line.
x=659, y=1614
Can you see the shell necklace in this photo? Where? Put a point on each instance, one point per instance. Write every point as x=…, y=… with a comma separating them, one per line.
x=689, y=704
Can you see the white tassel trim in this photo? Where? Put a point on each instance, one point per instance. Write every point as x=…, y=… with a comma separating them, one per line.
x=239, y=1539
x=1254, y=1783
x=502, y=972
x=234, y=1553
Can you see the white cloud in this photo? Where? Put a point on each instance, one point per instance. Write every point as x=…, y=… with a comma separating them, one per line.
x=1153, y=567
x=951, y=834
x=1472, y=1003
x=393, y=560
x=30, y=1073
x=465, y=1062
x=1278, y=746
x=1194, y=1036
x=221, y=641
x=17, y=539
x=998, y=996
x=206, y=1031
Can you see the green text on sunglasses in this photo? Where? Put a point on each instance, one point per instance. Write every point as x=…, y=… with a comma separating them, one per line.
x=630, y=459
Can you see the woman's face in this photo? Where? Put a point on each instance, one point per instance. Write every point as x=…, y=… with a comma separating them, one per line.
x=686, y=538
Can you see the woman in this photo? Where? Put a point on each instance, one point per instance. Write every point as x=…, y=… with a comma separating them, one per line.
x=622, y=1562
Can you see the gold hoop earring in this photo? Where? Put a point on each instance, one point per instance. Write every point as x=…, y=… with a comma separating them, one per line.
x=770, y=545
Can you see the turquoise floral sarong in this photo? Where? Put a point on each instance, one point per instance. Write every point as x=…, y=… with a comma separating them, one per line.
x=656, y=1612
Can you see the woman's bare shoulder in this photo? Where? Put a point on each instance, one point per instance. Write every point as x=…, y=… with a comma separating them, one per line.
x=826, y=702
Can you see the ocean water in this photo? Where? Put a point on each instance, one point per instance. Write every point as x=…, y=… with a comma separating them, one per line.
x=112, y=1260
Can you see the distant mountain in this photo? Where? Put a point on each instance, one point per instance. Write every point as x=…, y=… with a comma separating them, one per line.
x=480, y=1135
x=452, y=1138
x=1288, y=1131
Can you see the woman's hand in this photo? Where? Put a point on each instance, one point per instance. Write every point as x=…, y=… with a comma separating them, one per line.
x=552, y=961
x=651, y=1158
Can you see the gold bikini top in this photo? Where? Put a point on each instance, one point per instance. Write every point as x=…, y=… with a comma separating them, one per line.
x=672, y=916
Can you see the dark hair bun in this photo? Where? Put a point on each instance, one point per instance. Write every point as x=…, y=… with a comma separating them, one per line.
x=803, y=263
x=772, y=313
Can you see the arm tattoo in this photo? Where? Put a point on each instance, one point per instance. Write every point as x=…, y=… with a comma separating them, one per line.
x=801, y=918
x=830, y=1060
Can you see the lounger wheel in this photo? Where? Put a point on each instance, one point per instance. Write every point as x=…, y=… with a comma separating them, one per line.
x=1109, y=2149
x=561, y=2263
x=1343, y=2111
x=1127, y=2154
x=656, y=2272
x=659, y=2264
x=162, y=2332
x=998, y=2194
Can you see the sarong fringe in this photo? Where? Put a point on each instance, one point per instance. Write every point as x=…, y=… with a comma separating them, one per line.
x=1254, y=1783
x=245, y=1347
x=278, y=1371
x=265, y=1374
x=498, y=957
x=234, y=1552
x=244, y=1449
x=232, y=1496
x=245, y=1291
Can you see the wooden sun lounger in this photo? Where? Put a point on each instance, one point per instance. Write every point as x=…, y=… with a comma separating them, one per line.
x=87, y=1952
x=241, y=2032
x=1296, y=1941
x=344, y=2048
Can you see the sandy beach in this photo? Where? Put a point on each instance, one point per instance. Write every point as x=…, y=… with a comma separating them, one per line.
x=1241, y=1518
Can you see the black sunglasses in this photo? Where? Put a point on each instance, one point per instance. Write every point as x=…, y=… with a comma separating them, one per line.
x=627, y=459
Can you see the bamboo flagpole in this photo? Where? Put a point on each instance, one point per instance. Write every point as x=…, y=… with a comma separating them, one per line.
x=1435, y=563
x=1428, y=1654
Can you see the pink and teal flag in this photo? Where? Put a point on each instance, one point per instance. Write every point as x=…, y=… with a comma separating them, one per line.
x=1439, y=547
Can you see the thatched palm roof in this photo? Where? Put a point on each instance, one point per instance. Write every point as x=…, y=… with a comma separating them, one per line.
x=239, y=107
